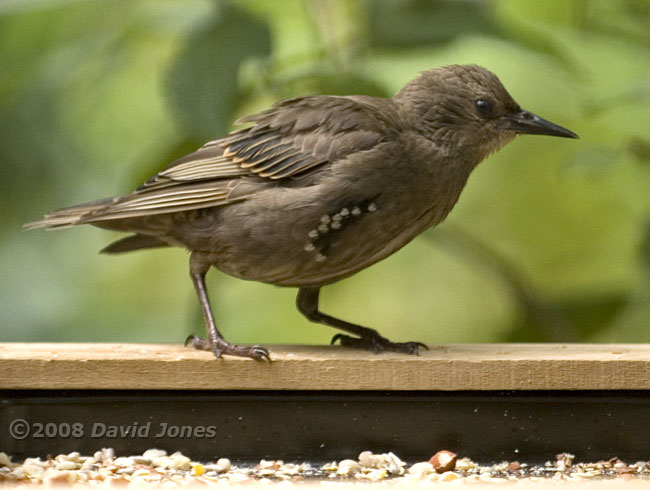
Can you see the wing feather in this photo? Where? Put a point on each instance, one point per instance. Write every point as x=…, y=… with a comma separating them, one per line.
x=289, y=140
x=165, y=200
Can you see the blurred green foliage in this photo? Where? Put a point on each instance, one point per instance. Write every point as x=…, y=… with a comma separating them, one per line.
x=549, y=242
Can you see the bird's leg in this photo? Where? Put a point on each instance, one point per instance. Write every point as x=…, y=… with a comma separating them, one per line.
x=215, y=342
x=367, y=338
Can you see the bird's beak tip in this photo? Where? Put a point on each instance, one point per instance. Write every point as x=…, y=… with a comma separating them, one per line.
x=524, y=122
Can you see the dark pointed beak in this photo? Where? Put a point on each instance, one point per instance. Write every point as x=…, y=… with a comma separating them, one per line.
x=524, y=122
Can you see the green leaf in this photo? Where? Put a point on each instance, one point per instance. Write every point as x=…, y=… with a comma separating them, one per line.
x=202, y=81
x=422, y=22
x=335, y=83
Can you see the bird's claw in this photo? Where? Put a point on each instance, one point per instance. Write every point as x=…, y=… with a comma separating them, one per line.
x=220, y=347
x=376, y=343
x=193, y=340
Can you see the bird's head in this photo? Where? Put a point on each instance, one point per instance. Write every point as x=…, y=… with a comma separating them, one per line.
x=465, y=108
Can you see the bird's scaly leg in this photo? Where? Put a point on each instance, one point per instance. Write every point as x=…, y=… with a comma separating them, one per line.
x=367, y=338
x=215, y=342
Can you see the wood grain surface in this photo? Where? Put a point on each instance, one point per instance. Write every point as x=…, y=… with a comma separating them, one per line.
x=443, y=367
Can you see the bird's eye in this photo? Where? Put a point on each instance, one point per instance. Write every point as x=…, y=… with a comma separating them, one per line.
x=483, y=107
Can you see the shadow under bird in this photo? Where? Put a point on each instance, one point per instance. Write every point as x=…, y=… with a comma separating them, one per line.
x=318, y=188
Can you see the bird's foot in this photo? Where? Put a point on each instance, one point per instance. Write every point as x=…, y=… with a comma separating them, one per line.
x=376, y=343
x=220, y=347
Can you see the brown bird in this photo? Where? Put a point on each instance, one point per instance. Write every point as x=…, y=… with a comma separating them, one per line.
x=318, y=188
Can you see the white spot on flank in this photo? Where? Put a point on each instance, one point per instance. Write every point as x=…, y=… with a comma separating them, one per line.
x=309, y=247
x=320, y=258
x=356, y=211
x=323, y=228
x=336, y=217
x=313, y=234
x=372, y=207
x=344, y=212
x=325, y=219
x=335, y=225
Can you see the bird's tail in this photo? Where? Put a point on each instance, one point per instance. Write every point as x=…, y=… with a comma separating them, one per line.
x=84, y=213
x=66, y=217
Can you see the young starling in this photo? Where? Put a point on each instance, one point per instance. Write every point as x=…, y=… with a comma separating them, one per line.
x=318, y=188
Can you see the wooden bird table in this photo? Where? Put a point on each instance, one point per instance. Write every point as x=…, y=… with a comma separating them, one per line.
x=491, y=402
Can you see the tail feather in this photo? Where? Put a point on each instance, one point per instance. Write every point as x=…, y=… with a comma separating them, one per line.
x=66, y=217
x=133, y=242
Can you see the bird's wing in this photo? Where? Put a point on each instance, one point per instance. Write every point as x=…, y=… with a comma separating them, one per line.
x=182, y=197
x=294, y=138
x=291, y=139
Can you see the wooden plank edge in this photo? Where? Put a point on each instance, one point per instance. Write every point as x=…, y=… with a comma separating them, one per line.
x=461, y=367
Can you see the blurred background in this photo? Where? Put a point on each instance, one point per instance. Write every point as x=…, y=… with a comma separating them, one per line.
x=550, y=240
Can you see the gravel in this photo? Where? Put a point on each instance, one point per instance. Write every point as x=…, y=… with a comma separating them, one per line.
x=156, y=466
